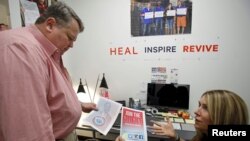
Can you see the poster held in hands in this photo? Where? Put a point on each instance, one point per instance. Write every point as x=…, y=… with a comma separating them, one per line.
x=133, y=125
x=103, y=119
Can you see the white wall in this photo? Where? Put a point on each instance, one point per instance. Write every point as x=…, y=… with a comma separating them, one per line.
x=108, y=25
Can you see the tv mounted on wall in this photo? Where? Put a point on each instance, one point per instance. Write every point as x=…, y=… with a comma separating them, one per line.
x=170, y=96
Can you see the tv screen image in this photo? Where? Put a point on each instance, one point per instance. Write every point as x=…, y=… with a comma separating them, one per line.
x=171, y=96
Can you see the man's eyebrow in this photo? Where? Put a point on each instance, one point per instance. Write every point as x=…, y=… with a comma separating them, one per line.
x=71, y=37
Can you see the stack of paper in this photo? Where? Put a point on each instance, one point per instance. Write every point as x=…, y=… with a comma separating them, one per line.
x=188, y=127
x=189, y=121
x=179, y=120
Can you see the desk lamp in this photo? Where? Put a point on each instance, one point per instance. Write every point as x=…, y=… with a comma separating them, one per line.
x=80, y=87
x=82, y=90
x=103, y=82
x=104, y=88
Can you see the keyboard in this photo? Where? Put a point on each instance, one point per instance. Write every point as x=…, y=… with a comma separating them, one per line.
x=162, y=109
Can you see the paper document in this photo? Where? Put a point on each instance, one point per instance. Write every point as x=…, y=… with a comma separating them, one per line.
x=133, y=125
x=169, y=114
x=176, y=126
x=180, y=120
x=190, y=121
x=188, y=127
x=171, y=119
x=103, y=119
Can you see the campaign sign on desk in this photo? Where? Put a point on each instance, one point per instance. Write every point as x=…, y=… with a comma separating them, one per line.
x=133, y=125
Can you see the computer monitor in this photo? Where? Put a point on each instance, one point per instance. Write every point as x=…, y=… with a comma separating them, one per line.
x=171, y=96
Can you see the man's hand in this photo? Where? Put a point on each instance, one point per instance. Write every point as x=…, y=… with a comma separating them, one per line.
x=88, y=107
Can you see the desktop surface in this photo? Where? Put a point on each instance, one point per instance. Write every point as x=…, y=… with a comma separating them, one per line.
x=115, y=130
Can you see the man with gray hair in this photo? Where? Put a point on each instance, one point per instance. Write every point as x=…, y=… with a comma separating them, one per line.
x=37, y=100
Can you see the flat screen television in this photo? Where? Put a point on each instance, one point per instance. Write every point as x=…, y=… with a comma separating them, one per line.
x=170, y=96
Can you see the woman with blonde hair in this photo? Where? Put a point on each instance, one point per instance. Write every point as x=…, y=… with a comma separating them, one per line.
x=216, y=107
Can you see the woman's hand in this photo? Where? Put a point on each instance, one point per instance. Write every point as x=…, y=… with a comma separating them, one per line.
x=166, y=128
x=119, y=138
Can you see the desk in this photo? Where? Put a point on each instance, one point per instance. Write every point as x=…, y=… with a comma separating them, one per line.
x=87, y=131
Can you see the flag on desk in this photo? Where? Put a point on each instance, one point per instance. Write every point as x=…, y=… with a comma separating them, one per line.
x=104, y=88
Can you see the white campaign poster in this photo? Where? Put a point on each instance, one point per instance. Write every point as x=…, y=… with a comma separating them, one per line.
x=182, y=11
x=159, y=14
x=171, y=12
x=149, y=15
x=103, y=119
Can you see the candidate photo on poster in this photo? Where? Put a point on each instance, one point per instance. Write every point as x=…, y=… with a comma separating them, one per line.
x=161, y=17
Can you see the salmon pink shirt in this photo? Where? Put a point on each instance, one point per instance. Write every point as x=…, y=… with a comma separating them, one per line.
x=37, y=100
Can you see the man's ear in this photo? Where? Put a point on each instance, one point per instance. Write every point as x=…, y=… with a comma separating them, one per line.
x=50, y=23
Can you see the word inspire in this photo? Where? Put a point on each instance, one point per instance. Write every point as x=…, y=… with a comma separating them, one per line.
x=159, y=49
